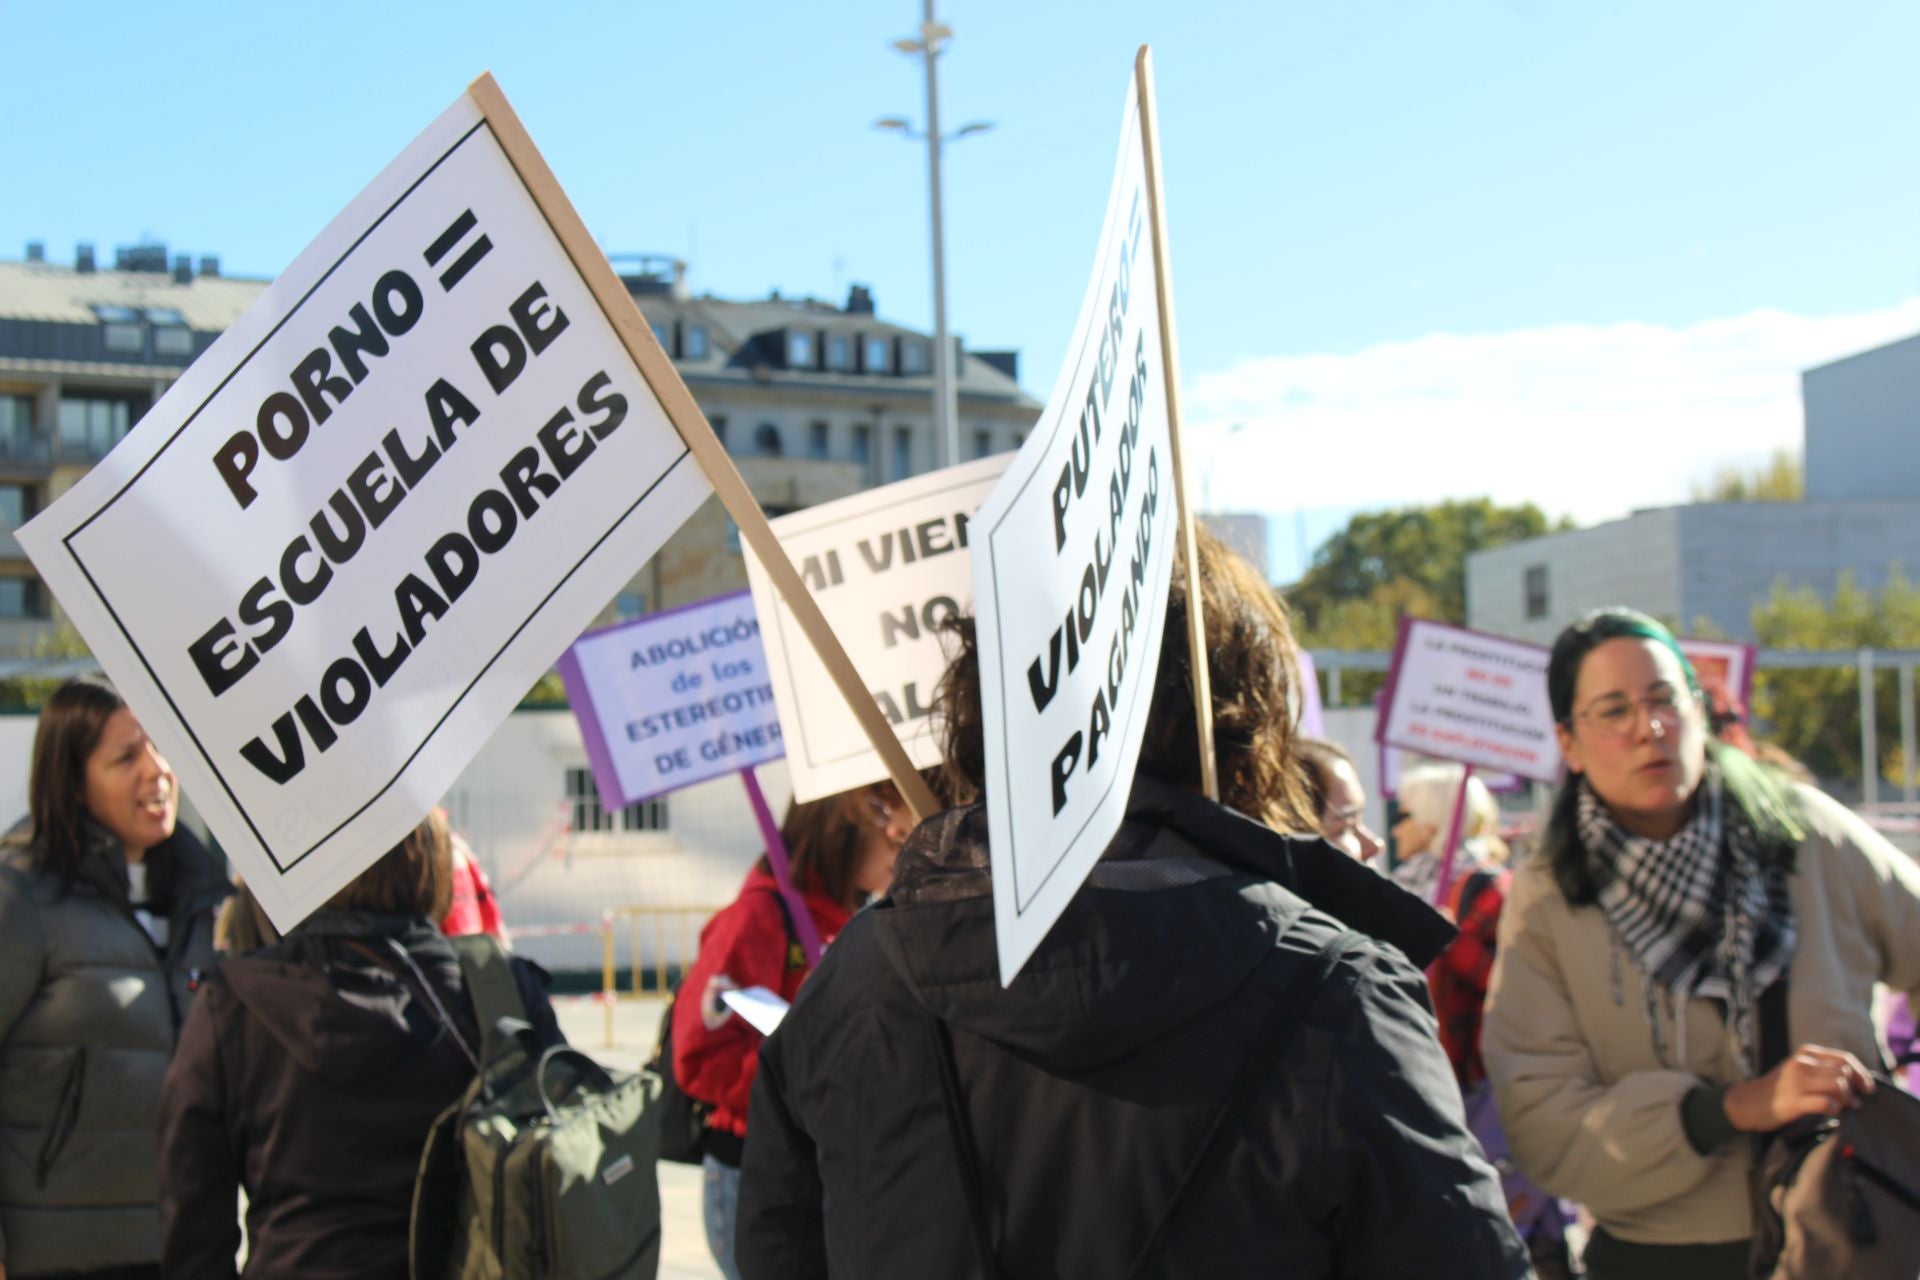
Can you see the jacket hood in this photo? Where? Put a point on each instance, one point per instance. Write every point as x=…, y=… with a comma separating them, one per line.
x=337, y=1010
x=1188, y=899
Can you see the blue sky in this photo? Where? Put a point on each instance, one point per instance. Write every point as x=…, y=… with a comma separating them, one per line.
x=1566, y=252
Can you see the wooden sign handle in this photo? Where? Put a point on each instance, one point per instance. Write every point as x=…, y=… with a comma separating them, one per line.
x=657, y=368
x=1170, y=362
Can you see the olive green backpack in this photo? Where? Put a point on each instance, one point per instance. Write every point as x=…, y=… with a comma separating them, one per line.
x=544, y=1169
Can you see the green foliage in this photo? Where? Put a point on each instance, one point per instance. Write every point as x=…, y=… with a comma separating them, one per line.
x=1410, y=561
x=1782, y=479
x=547, y=692
x=29, y=692
x=1814, y=714
x=1424, y=546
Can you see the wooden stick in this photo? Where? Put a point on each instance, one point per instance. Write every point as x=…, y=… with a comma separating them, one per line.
x=664, y=380
x=1170, y=362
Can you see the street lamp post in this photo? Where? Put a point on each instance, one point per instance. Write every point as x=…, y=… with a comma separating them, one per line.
x=946, y=410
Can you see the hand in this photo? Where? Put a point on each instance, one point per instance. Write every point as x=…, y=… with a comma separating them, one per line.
x=713, y=1010
x=1814, y=1081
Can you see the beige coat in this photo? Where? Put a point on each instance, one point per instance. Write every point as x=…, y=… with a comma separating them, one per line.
x=1593, y=1115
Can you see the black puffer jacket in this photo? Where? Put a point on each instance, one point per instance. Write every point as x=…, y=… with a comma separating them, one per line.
x=1090, y=1082
x=89, y=1013
x=309, y=1074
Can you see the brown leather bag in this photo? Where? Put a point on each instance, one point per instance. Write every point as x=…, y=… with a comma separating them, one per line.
x=1841, y=1197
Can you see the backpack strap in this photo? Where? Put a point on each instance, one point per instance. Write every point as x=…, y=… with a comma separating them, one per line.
x=488, y=972
x=1256, y=1071
x=794, y=945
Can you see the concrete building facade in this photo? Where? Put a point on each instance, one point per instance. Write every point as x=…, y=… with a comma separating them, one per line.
x=1713, y=563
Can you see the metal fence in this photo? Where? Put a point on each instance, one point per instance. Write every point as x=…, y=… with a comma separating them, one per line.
x=663, y=964
x=1867, y=662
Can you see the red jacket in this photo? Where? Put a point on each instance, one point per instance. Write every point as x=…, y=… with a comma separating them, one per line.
x=1459, y=977
x=474, y=909
x=749, y=942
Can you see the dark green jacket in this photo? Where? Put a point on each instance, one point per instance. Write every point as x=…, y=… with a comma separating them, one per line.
x=90, y=1011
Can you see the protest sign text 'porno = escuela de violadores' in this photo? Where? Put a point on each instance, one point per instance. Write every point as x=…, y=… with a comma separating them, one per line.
x=333, y=558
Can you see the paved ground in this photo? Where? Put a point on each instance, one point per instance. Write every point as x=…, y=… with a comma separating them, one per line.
x=683, y=1248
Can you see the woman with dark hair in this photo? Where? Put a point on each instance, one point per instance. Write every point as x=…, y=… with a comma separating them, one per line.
x=840, y=851
x=912, y=1117
x=309, y=1074
x=1678, y=883
x=106, y=932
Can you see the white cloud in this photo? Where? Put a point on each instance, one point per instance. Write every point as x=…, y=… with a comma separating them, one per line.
x=1587, y=420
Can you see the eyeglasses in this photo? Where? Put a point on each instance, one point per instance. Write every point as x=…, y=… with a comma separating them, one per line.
x=1615, y=716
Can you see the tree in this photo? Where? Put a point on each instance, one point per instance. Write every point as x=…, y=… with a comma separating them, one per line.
x=1814, y=713
x=1783, y=478
x=1409, y=561
x=1424, y=546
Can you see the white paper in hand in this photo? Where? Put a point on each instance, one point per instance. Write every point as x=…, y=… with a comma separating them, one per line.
x=762, y=1008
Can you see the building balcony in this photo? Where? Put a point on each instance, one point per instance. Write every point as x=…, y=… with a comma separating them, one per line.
x=25, y=447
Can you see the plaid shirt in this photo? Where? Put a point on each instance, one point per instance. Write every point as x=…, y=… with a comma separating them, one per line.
x=1459, y=977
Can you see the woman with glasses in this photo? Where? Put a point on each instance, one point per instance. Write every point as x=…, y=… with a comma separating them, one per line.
x=1640, y=958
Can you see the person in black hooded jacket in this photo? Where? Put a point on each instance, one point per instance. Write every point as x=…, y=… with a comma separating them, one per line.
x=1079, y=1097
x=309, y=1074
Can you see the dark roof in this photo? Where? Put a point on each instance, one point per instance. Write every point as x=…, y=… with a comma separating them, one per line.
x=747, y=344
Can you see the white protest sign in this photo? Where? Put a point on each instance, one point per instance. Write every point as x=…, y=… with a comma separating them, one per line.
x=1072, y=557
x=338, y=552
x=887, y=567
x=1455, y=694
x=672, y=699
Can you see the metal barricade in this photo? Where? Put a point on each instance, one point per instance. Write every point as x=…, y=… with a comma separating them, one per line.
x=679, y=924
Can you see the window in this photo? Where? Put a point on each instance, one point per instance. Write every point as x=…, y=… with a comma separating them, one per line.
x=1536, y=579
x=719, y=424
x=696, y=344
x=817, y=433
x=879, y=355
x=862, y=450
x=629, y=605
x=840, y=352
x=663, y=334
x=173, y=342
x=21, y=598
x=913, y=356
x=16, y=415
x=799, y=349
x=766, y=440
x=121, y=329
x=16, y=506
x=902, y=452
x=982, y=443
x=90, y=426
x=588, y=816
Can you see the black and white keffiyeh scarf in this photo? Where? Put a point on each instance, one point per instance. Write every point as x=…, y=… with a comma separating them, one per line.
x=1697, y=913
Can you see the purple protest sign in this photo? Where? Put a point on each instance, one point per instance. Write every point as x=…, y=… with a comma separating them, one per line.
x=672, y=699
